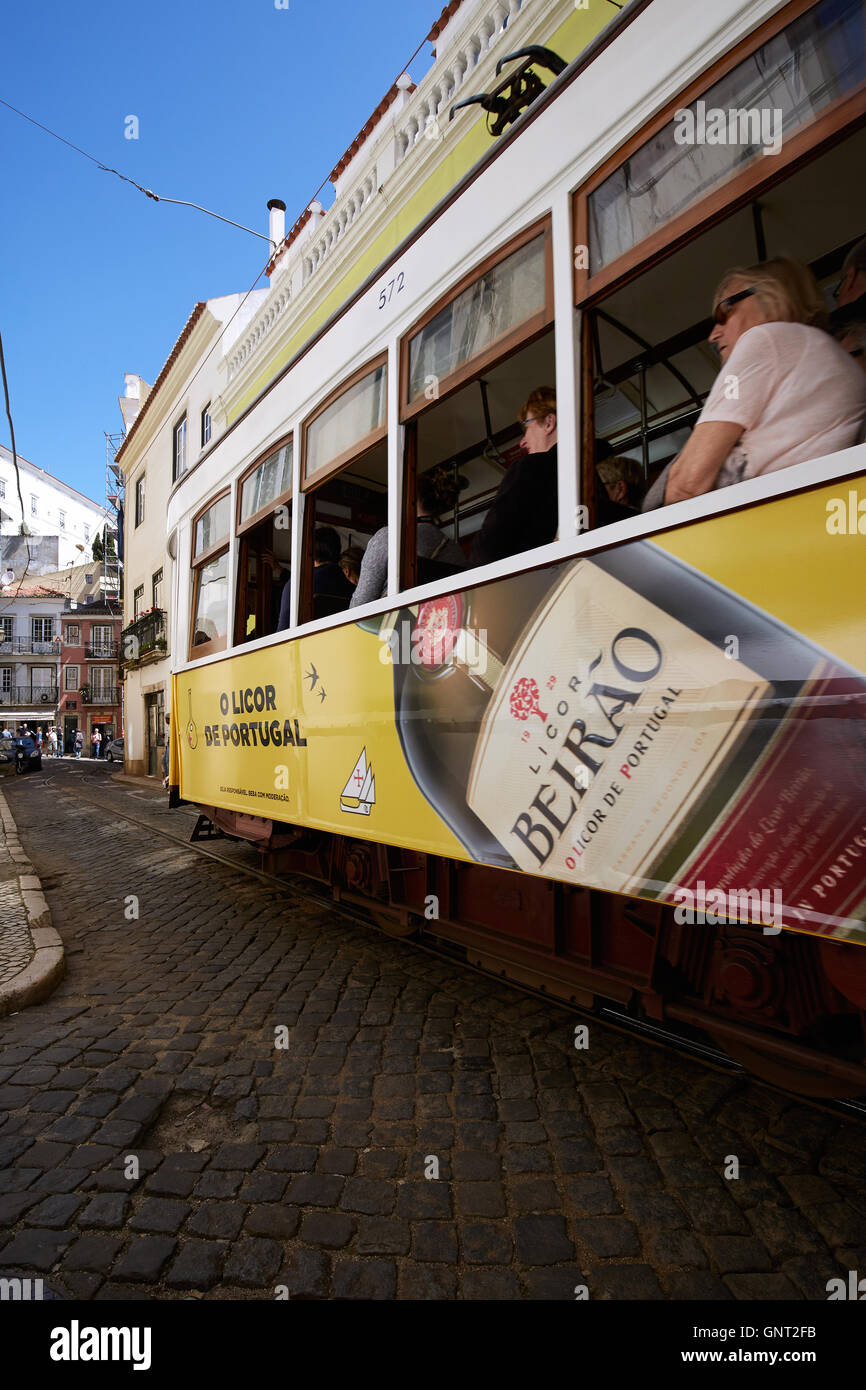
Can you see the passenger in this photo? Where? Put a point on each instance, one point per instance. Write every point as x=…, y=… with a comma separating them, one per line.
x=350, y=563
x=328, y=579
x=621, y=491
x=524, y=512
x=285, y=615
x=437, y=492
x=786, y=393
x=852, y=338
x=851, y=289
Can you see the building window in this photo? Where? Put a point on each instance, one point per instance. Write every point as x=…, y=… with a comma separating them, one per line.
x=205, y=425
x=157, y=589
x=2, y=487
x=32, y=504
x=87, y=533
x=73, y=634
x=138, y=600
x=102, y=639
x=71, y=678
x=178, y=463
x=5, y=679
x=6, y=629
x=102, y=682
x=63, y=521
x=139, y=500
x=41, y=629
x=43, y=684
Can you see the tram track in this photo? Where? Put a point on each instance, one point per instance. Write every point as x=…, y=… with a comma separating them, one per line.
x=650, y=1032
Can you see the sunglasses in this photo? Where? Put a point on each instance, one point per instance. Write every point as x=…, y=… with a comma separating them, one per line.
x=722, y=311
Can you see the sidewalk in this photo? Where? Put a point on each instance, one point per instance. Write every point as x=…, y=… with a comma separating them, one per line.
x=32, y=960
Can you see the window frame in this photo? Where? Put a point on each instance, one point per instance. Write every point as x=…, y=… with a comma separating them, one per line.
x=196, y=564
x=361, y=446
x=61, y=517
x=138, y=592
x=153, y=583
x=518, y=337
x=728, y=197
x=182, y=422
x=206, y=425
x=282, y=499
x=72, y=641
x=72, y=686
x=140, y=496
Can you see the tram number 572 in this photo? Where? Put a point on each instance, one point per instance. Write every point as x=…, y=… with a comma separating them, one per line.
x=387, y=291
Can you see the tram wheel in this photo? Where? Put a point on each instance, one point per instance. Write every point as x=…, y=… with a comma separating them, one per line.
x=789, y=1076
x=394, y=926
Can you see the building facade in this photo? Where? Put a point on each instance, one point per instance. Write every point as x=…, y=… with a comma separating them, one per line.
x=59, y=523
x=30, y=645
x=89, y=696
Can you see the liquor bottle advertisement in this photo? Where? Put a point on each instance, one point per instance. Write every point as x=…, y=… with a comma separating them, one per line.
x=682, y=718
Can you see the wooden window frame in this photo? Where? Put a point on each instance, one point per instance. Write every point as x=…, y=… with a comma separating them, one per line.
x=196, y=564
x=727, y=198
x=305, y=593
x=161, y=573
x=361, y=446
x=139, y=589
x=76, y=684
x=72, y=641
x=281, y=500
x=215, y=644
x=206, y=416
x=221, y=544
x=518, y=336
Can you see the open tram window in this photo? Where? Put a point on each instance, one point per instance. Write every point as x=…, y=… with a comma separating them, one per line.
x=264, y=546
x=210, y=599
x=345, y=480
x=468, y=367
x=647, y=300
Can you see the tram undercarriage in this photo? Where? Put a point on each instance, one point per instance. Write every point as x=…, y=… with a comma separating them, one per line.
x=789, y=1007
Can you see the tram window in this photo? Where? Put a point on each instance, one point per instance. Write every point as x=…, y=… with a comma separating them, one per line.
x=651, y=363
x=264, y=545
x=345, y=468
x=500, y=304
x=210, y=578
x=476, y=431
x=344, y=513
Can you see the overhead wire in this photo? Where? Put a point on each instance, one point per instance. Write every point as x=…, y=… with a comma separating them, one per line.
x=17, y=470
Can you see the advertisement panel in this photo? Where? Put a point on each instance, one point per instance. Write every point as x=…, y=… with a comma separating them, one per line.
x=681, y=718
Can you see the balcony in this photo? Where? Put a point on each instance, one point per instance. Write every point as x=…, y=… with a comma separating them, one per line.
x=29, y=646
x=28, y=695
x=102, y=651
x=105, y=695
x=144, y=640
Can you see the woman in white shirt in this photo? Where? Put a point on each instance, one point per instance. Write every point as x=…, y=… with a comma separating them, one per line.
x=787, y=391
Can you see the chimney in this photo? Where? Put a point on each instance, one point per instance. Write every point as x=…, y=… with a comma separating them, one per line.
x=276, y=221
x=132, y=386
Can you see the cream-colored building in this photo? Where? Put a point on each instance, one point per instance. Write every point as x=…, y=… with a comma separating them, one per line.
x=169, y=426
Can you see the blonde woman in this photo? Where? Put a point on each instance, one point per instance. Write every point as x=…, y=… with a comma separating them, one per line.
x=787, y=391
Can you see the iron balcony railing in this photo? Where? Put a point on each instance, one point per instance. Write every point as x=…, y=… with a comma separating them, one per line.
x=106, y=695
x=102, y=650
x=144, y=638
x=29, y=695
x=29, y=646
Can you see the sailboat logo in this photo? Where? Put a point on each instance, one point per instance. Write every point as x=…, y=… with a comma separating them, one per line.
x=359, y=793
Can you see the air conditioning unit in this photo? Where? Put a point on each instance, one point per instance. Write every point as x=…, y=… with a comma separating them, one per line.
x=47, y=700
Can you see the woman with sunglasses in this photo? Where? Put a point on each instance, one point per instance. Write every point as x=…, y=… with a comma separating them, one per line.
x=787, y=392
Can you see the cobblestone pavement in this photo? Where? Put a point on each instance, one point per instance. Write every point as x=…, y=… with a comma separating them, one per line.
x=304, y=1167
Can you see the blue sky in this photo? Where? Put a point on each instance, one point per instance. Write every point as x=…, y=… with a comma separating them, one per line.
x=237, y=102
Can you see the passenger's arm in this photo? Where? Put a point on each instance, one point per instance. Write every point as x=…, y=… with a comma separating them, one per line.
x=374, y=570
x=695, y=470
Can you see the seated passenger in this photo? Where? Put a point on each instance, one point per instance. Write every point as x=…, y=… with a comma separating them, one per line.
x=786, y=392
x=621, y=490
x=437, y=492
x=524, y=512
x=852, y=339
x=350, y=563
x=328, y=579
x=850, y=293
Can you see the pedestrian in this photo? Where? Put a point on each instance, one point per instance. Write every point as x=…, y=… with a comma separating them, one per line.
x=95, y=740
x=39, y=737
x=52, y=742
x=79, y=742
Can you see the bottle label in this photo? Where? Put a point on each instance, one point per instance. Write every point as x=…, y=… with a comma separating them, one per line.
x=613, y=725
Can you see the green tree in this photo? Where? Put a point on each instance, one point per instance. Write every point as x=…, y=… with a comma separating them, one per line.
x=98, y=548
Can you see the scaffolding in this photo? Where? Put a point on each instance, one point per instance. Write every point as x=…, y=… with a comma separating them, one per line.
x=112, y=565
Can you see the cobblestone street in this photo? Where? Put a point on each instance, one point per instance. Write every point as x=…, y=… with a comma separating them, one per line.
x=157, y=1140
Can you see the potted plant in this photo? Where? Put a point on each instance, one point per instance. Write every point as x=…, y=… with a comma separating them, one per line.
x=84, y=692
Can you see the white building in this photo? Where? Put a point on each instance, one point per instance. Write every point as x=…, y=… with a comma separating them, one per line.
x=29, y=654
x=60, y=522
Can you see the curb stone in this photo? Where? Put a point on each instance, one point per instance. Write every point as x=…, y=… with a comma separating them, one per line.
x=47, y=965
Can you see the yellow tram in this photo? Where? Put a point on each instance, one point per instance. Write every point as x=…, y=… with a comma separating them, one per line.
x=625, y=766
